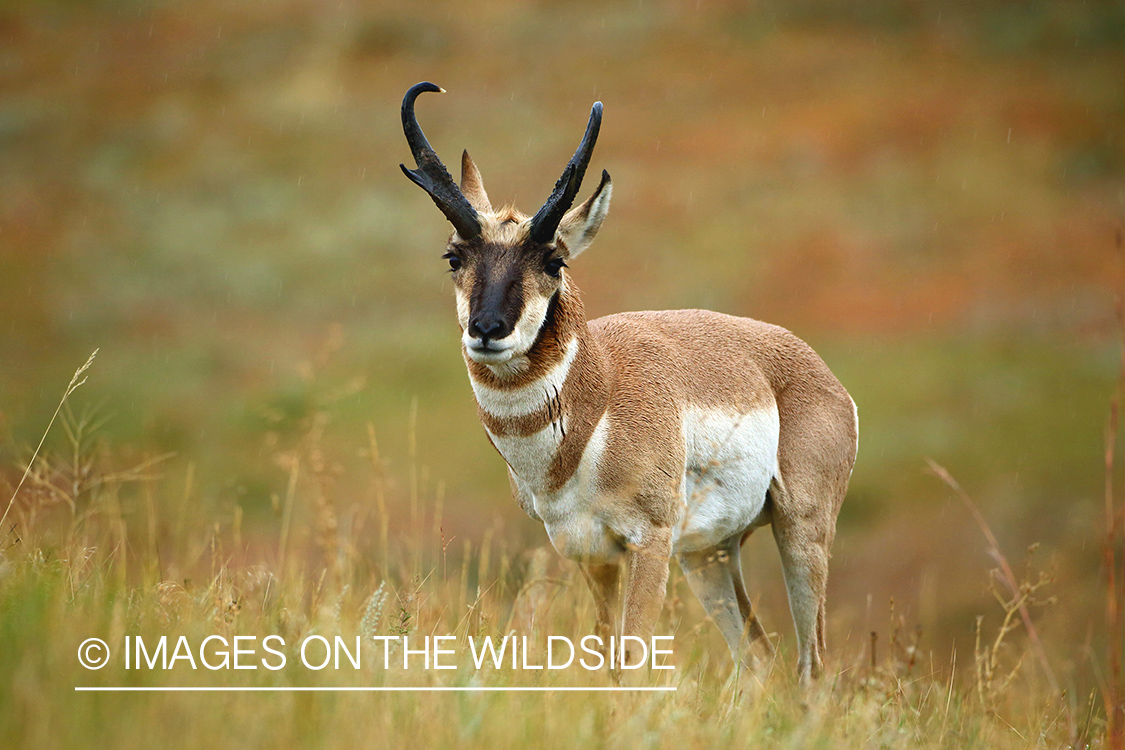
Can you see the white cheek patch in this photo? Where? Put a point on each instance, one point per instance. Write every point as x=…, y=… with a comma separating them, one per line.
x=516, y=402
x=462, y=309
x=515, y=344
x=527, y=327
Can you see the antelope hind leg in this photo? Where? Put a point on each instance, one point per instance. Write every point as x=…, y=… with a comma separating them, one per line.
x=804, y=560
x=752, y=629
x=711, y=578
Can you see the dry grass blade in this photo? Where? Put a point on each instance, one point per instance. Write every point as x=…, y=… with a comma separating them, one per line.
x=73, y=385
x=1009, y=577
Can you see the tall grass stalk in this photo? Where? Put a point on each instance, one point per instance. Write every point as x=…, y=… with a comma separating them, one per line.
x=72, y=386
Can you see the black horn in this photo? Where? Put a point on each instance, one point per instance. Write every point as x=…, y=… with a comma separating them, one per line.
x=546, y=220
x=431, y=175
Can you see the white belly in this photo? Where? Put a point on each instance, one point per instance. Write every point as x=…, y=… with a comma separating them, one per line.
x=730, y=460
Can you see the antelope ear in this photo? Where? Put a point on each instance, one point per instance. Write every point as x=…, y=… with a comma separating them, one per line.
x=472, y=187
x=580, y=224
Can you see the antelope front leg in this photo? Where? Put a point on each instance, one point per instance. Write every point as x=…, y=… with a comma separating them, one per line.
x=645, y=588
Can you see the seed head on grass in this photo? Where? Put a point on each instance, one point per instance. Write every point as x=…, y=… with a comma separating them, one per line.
x=373, y=612
x=72, y=386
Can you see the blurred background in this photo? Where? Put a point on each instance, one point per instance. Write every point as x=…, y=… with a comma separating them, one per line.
x=925, y=192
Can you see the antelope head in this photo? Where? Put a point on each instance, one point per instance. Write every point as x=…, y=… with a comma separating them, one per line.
x=507, y=268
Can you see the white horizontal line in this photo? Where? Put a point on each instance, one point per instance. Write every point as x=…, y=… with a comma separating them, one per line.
x=293, y=689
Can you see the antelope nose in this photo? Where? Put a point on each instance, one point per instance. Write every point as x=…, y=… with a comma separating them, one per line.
x=488, y=326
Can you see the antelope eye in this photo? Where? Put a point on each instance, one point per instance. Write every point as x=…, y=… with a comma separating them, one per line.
x=554, y=266
x=454, y=261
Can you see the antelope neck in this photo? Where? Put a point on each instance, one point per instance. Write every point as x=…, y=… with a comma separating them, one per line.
x=562, y=387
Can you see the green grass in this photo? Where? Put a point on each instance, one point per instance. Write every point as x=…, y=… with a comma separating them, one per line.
x=51, y=599
x=104, y=549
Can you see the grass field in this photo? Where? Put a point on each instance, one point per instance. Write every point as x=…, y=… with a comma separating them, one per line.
x=82, y=561
x=278, y=421
x=903, y=701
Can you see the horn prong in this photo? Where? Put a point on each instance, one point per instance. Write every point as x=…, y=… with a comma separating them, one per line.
x=431, y=175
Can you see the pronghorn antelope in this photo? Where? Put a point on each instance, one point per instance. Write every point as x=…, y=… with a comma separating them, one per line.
x=646, y=435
